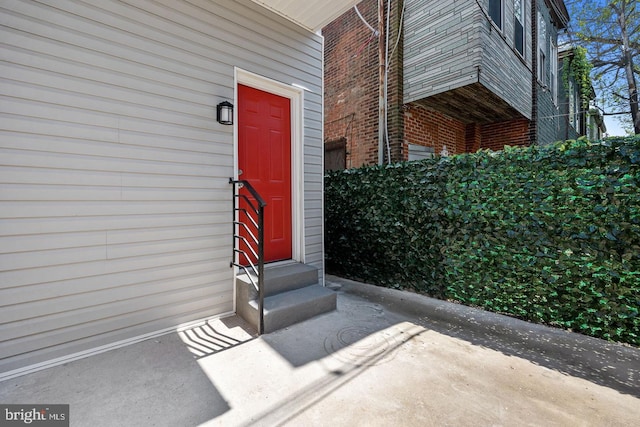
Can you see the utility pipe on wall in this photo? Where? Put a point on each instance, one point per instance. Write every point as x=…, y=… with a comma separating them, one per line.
x=381, y=76
x=386, y=83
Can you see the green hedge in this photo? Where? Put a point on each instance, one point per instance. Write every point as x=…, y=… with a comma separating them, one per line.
x=546, y=234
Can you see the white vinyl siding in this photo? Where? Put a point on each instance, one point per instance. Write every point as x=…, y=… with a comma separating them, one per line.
x=115, y=207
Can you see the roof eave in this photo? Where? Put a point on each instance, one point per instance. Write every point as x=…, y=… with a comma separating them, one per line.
x=309, y=14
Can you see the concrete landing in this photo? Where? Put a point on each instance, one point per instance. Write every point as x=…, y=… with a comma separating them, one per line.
x=383, y=358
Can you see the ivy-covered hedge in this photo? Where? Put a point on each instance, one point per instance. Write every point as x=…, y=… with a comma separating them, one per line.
x=547, y=234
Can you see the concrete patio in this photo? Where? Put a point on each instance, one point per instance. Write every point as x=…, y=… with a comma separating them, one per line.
x=384, y=358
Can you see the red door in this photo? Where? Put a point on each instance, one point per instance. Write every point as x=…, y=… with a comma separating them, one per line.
x=264, y=159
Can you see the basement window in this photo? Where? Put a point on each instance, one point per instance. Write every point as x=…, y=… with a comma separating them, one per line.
x=419, y=152
x=335, y=154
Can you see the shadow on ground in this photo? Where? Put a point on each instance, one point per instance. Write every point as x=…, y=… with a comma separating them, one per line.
x=207, y=339
x=604, y=363
x=154, y=382
x=384, y=357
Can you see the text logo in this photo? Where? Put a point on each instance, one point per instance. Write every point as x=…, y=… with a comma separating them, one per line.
x=34, y=415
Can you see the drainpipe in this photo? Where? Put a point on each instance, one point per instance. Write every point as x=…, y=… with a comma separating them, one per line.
x=533, y=130
x=386, y=83
x=381, y=73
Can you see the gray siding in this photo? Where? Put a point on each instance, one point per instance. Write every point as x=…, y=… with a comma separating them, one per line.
x=450, y=44
x=549, y=126
x=565, y=122
x=549, y=120
x=115, y=206
x=504, y=71
x=442, y=46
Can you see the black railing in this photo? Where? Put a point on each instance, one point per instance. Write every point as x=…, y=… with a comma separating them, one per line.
x=248, y=246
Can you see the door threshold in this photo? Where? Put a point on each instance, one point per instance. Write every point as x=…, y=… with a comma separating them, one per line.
x=280, y=263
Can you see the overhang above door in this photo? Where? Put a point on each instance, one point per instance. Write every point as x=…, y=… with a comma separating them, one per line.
x=310, y=14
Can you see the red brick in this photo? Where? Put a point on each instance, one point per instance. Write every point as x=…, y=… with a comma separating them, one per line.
x=351, y=100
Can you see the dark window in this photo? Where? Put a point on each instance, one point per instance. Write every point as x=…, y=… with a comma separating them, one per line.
x=518, y=7
x=335, y=155
x=542, y=49
x=495, y=12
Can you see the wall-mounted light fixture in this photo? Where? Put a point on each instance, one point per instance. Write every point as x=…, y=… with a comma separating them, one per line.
x=224, y=114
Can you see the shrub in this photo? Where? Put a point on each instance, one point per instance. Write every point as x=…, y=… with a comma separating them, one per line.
x=547, y=234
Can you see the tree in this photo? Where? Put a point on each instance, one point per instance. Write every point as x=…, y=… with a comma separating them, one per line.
x=610, y=31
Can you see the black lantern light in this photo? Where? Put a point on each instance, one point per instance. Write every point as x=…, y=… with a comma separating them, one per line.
x=224, y=114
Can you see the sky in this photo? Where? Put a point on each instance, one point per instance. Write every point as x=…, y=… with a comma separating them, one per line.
x=613, y=127
x=611, y=122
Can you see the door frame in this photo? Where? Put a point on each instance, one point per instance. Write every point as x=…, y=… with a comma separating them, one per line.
x=296, y=98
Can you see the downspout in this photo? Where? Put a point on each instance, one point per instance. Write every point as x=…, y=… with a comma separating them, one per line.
x=533, y=130
x=381, y=73
x=386, y=84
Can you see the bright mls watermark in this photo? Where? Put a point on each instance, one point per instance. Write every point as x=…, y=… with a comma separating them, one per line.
x=34, y=415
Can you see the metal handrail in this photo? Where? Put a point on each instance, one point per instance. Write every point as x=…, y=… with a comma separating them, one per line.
x=237, y=238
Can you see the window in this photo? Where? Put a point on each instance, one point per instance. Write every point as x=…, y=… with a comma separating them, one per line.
x=574, y=106
x=542, y=49
x=518, y=11
x=553, y=57
x=542, y=66
x=495, y=12
x=418, y=152
x=335, y=154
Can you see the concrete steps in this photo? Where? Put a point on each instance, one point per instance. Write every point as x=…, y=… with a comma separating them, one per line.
x=292, y=295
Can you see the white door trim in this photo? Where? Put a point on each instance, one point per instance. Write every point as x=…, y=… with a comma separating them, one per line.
x=296, y=96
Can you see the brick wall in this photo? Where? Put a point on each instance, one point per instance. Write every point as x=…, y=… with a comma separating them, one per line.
x=395, y=95
x=352, y=84
x=351, y=59
x=351, y=99
x=429, y=128
x=496, y=135
x=473, y=136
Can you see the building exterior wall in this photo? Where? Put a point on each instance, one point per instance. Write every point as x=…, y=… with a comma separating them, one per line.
x=449, y=136
x=443, y=46
x=430, y=128
x=496, y=135
x=446, y=46
x=595, y=125
x=573, y=118
x=115, y=216
x=504, y=70
x=352, y=84
x=548, y=120
x=566, y=123
x=460, y=67
x=452, y=44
